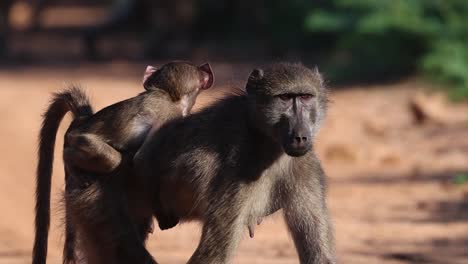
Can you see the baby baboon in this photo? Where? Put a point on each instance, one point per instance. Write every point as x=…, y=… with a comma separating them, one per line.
x=242, y=159
x=97, y=144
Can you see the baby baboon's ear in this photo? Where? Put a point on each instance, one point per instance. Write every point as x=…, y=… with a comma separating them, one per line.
x=149, y=71
x=207, y=76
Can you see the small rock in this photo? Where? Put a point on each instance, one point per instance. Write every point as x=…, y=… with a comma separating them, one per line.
x=433, y=108
x=340, y=152
x=407, y=257
x=422, y=205
x=375, y=128
x=390, y=159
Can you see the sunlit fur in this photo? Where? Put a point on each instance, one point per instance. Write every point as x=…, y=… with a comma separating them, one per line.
x=264, y=89
x=227, y=167
x=97, y=147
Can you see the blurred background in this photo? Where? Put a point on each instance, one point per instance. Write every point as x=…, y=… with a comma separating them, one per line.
x=395, y=143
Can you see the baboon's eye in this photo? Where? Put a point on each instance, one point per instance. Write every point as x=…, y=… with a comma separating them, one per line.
x=285, y=97
x=306, y=97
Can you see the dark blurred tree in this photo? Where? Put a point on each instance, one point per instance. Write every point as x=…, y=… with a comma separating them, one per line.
x=286, y=24
x=381, y=39
x=356, y=39
x=5, y=6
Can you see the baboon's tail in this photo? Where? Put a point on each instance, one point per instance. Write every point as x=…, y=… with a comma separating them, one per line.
x=74, y=100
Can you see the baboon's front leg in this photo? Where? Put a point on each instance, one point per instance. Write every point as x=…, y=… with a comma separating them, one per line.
x=308, y=221
x=222, y=229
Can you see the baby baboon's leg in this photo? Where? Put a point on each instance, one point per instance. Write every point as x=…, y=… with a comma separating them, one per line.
x=91, y=153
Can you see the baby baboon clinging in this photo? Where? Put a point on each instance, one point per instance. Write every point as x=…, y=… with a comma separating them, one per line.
x=96, y=144
x=242, y=159
x=100, y=143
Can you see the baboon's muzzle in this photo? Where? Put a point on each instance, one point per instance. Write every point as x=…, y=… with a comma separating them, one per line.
x=298, y=140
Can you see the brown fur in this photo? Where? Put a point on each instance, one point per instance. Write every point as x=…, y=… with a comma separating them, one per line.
x=243, y=159
x=98, y=150
x=71, y=100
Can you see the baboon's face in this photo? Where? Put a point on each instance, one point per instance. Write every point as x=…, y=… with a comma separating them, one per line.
x=288, y=106
x=296, y=120
x=291, y=118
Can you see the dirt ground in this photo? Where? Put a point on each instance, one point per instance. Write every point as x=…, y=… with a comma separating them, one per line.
x=390, y=190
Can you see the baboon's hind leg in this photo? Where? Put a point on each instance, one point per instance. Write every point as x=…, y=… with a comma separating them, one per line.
x=69, y=256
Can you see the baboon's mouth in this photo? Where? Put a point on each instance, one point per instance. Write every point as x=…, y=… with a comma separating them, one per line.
x=296, y=151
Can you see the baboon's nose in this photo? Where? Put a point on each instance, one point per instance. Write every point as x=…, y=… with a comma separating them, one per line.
x=299, y=144
x=299, y=140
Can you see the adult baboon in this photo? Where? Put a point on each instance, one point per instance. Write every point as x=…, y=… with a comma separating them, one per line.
x=242, y=159
x=103, y=144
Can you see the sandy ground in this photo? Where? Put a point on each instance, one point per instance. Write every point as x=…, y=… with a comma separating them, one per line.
x=390, y=190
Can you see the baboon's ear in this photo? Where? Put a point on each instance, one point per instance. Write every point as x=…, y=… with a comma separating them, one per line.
x=207, y=75
x=150, y=70
x=318, y=75
x=255, y=76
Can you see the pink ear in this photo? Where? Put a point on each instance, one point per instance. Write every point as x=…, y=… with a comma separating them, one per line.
x=207, y=75
x=148, y=72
